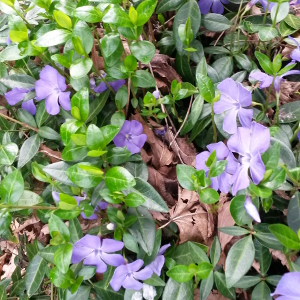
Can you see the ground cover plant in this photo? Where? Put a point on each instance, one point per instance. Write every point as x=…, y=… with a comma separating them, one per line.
x=149, y=149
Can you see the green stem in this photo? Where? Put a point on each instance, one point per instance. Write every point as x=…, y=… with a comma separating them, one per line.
x=213, y=123
x=295, y=133
x=257, y=104
x=22, y=17
x=266, y=13
x=235, y=24
x=295, y=182
x=28, y=207
x=277, y=108
x=269, y=93
x=277, y=10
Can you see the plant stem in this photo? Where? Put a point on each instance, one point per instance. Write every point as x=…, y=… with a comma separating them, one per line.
x=235, y=25
x=277, y=108
x=257, y=104
x=18, y=122
x=213, y=123
x=295, y=133
x=277, y=10
x=269, y=93
x=28, y=207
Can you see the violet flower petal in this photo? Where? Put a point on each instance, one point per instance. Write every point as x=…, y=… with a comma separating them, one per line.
x=94, y=259
x=163, y=249
x=257, y=169
x=251, y=209
x=265, y=80
x=245, y=117
x=89, y=241
x=139, y=140
x=119, y=277
x=132, y=284
x=101, y=88
x=64, y=100
x=133, y=148
x=136, y=128
x=205, y=6
x=79, y=254
x=110, y=245
x=232, y=163
x=29, y=106
x=217, y=7
x=144, y=274
x=240, y=141
x=259, y=133
x=214, y=183
x=15, y=95
x=221, y=150
x=240, y=179
x=43, y=89
x=230, y=123
x=119, y=140
x=157, y=265
x=224, y=181
x=126, y=128
x=51, y=103
x=156, y=94
x=114, y=260
x=135, y=266
x=201, y=159
x=288, y=286
x=117, y=84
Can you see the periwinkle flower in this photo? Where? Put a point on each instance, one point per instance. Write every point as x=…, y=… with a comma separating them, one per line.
x=101, y=205
x=295, y=54
x=215, y=5
x=157, y=264
x=234, y=97
x=129, y=274
x=131, y=136
x=249, y=143
x=266, y=80
x=156, y=94
x=95, y=251
x=16, y=95
x=103, y=87
x=223, y=181
x=251, y=209
x=8, y=40
x=51, y=86
x=288, y=287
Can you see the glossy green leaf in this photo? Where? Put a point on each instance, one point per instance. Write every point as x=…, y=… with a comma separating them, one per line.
x=222, y=287
x=180, y=273
x=118, y=178
x=28, y=150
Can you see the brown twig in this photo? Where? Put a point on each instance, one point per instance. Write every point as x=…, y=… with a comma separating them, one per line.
x=18, y=122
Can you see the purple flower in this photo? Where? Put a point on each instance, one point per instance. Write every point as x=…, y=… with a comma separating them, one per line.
x=288, y=287
x=223, y=181
x=156, y=94
x=51, y=86
x=8, y=40
x=295, y=54
x=266, y=80
x=103, y=87
x=128, y=276
x=101, y=205
x=233, y=98
x=159, y=260
x=131, y=136
x=215, y=5
x=251, y=209
x=16, y=95
x=249, y=143
x=95, y=251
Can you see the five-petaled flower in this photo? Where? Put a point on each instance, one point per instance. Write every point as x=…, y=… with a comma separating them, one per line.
x=101, y=205
x=288, y=287
x=157, y=264
x=51, y=86
x=249, y=143
x=95, y=251
x=129, y=274
x=234, y=97
x=16, y=95
x=251, y=209
x=215, y=5
x=131, y=136
x=267, y=80
x=223, y=181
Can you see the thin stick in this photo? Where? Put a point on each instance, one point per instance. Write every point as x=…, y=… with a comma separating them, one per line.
x=18, y=122
x=179, y=217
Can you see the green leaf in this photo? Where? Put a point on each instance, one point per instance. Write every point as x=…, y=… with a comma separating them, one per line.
x=142, y=51
x=218, y=168
x=97, y=105
x=234, y=230
x=48, y=253
x=99, y=138
x=144, y=11
x=57, y=225
x=184, y=176
x=247, y=282
x=155, y=280
x=112, y=48
x=80, y=100
x=204, y=269
x=41, y=115
x=58, y=171
x=143, y=79
x=134, y=200
x=18, y=80
x=75, y=230
x=271, y=156
x=10, y=53
x=82, y=177
x=80, y=67
x=224, y=67
x=176, y=290
x=62, y=19
x=215, y=22
x=84, y=33
x=48, y=133
x=286, y=236
x=189, y=10
x=28, y=150
x=53, y=38
x=215, y=251
x=89, y=14
x=12, y=187
x=5, y=220
x=130, y=242
x=180, y=273
x=222, y=287
x=279, y=13
x=261, y=291
x=238, y=211
x=8, y=153
x=239, y=260
x=288, y=113
x=62, y=257
x=206, y=87
x=143, y=230
x=209, y=196
x=35, y=274
x=28, y=198
x=117, y=156
x=118, y=178
x=264, y=62
x=206, y=286
x=153, y=200
x=74, y=152
x=61, y=280
x=293, y=212
x=263, y=256
x=114, y=15
x=169, y=5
